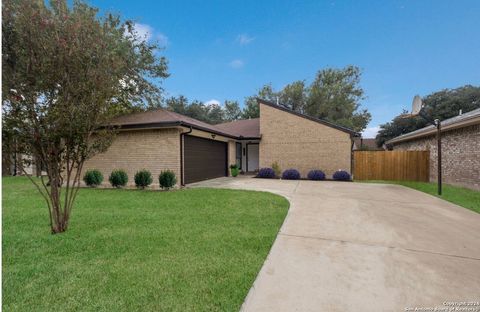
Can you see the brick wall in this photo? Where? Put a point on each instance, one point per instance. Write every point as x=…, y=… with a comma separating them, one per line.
x=460, y=155
x=231, y=154
x=303, y=144
x=154, y=150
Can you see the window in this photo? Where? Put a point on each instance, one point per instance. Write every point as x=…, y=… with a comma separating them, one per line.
x=238, y=156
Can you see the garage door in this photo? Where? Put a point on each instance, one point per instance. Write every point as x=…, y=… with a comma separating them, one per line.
x=204, y=159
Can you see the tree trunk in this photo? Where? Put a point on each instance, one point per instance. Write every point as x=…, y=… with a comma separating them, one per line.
x=59, y=211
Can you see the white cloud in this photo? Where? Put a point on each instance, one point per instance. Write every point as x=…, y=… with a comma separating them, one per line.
x=213, y=102
x=162, y=39
x=244, y=39
x=147, y=32
x=237, y=63
x=370, y=132
x=144, y=31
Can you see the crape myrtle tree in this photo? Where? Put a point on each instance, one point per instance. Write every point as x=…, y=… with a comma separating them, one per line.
x=66, y=73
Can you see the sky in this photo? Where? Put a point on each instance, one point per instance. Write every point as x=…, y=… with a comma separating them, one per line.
x=227, y=50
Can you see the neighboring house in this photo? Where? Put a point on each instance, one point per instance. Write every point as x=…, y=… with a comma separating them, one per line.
x=14, y=164
x=194, y=150
x=361, y=144
x=460, y=148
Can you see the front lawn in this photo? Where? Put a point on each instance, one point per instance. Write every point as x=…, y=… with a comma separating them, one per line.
x=128, y=250
x=461, y=196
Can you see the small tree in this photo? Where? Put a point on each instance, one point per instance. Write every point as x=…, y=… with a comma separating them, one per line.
x=66, y=73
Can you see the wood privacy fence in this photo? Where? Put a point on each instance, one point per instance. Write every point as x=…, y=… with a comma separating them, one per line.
x=391, y=165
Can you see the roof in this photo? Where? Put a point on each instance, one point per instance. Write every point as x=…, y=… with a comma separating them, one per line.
x=460, y=121
x=321, y=121
x=162, y=118
x=239, y=129
x=369, y=144
x=247, y=128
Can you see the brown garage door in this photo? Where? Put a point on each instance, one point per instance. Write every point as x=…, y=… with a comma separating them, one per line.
x=204, y=159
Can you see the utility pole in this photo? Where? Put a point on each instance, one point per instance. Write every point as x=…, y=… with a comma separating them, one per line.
x=439, y=156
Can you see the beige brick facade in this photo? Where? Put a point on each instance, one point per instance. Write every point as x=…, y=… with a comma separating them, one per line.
x=302, y=144
x=154, y=150
x=290, y=140
x=231, y=154
x=460, y=155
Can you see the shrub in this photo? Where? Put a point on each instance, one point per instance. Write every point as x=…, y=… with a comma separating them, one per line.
x=291, y=174
x=143, y=178
x=341, y=175
x=276, y=168
x=93, y=178
x=266, y=173
x=234, y=170
x=118, y=178
x=167, y=179
x=316, y=175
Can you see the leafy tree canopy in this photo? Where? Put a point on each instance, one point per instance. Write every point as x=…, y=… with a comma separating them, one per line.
x=209, y=113
x=66, y=73
x=334, y=95
x=250, y=109
x=441, y=105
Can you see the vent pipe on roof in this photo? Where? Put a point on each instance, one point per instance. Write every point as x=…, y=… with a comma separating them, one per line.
x=460, y=113
x=277, y=101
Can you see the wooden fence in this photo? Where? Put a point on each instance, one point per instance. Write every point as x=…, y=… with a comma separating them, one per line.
x=391, y=165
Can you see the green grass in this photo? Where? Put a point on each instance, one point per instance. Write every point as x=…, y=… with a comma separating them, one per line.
x=461, y=196
x=129, y=250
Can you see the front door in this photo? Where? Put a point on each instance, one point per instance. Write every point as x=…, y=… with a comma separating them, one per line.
x=252, y=157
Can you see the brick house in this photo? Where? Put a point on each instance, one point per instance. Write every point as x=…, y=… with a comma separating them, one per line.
x=195, y=150
x=460, y=148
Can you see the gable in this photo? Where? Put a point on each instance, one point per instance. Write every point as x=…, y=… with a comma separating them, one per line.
x=306, y=117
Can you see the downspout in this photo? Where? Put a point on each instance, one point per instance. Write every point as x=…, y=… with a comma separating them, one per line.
x=351, y=156
x=181, y=155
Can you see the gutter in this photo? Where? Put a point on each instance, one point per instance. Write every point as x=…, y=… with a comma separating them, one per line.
x=181, y=155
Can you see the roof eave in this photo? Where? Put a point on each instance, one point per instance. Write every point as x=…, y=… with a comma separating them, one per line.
x=408, y=137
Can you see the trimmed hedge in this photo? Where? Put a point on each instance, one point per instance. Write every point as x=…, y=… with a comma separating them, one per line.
x=291, y=174
x=316, y=175
x=118, y=178
x=266, y=173
x=342, y=175
x=167, y=179
x=143, y=178
x=93, y=178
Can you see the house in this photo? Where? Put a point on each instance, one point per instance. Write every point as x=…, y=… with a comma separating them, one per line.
x=460, y=148
x=195, y=150
x=365, y=144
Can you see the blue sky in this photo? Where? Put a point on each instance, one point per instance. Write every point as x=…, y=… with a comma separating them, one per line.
x=220, y=50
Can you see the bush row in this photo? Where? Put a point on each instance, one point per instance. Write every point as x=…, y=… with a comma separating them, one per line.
x=293, y=174
x=119, y=178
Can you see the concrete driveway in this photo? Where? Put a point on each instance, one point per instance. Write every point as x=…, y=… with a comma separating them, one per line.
x=364, y=247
